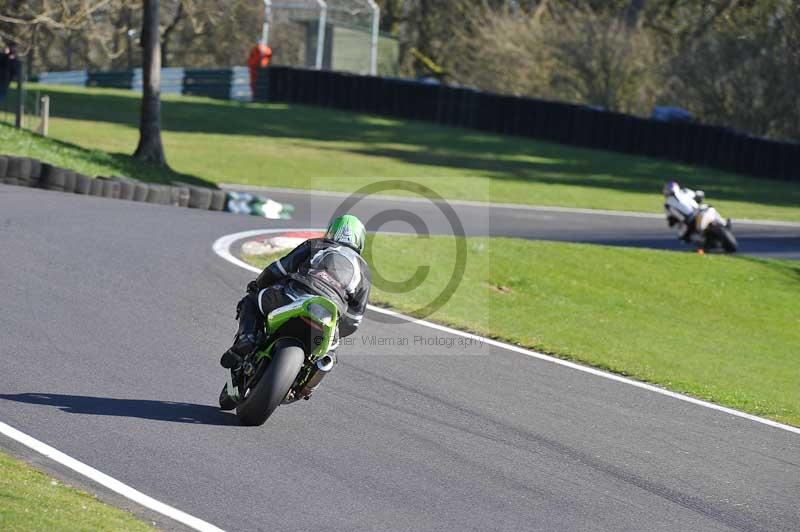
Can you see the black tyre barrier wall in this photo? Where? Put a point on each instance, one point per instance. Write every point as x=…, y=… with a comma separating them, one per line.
x=218, y=200
x=112, y=189
x=53, y=177
x=199, y=198
x=153, y=194
x=140, y=192
x=23, y=171
x=115, y=79
x=183, y=196
x=19, y=168
x=214, y=83
x=577, y=125
x=36, y=172
x=126, y=190
x=174, y=194
x=70, y=181
x=83, y=184
x=96, y=188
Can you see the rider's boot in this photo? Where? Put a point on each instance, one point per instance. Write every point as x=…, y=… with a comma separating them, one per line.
x=251, y=321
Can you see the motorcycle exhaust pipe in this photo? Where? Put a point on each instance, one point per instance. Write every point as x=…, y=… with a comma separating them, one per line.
x=326, y=362
x=323, y=366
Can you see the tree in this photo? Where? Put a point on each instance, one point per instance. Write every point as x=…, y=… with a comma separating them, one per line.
x=23, y=22
x=743, y=71
x=603, y=60
x=168, y=30
x=150, y=148
x=557, y=52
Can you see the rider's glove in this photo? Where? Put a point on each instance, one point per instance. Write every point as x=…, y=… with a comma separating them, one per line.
x=252, y=287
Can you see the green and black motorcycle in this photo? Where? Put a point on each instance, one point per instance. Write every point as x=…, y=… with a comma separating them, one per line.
x=295, y=357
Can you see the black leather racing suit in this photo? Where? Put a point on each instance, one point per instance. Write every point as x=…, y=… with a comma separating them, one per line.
x=317, y=266
x=328, y=269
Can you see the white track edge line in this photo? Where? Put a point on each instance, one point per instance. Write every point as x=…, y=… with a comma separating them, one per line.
x=222, y=248
x=106, y=481
x=493, y=205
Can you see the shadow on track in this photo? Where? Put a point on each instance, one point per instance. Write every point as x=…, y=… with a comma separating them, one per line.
x=140, y=408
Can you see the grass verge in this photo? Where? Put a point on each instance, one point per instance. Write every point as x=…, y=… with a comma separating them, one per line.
x=306, y=147
x=720, y=328
x=88, y=161
x=31, y=501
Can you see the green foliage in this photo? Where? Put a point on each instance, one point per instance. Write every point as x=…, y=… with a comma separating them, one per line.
x=744, y=71
x=105, y=34
x=89, y=161
x=730, y=63
x=583, y=57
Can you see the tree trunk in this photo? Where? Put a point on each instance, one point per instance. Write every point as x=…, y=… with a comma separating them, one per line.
x=168, y=33
x=150, y=148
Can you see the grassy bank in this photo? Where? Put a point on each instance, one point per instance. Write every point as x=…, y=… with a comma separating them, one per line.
x=724, y=329
x=86, y=160
x=31, y=501
x=306, y=147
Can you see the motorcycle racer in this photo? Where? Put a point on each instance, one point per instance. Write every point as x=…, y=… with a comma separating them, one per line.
x=681, y=206
x=331, y=267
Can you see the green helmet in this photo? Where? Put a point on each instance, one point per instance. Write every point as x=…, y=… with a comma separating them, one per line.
x=347, y=230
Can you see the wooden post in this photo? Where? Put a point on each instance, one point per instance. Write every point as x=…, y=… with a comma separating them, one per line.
x=45, y=116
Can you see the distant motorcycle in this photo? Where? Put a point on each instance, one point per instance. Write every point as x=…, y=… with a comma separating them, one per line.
x=695, y=221
x=295, y=356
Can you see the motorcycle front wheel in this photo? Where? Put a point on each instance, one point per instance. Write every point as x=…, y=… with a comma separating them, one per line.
x=263, y=397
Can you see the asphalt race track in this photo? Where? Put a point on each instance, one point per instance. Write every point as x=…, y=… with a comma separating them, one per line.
x=113, y=317
x=776, y=240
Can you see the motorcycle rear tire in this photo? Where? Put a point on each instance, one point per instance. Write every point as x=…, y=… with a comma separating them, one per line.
x=719, y=235
x=272, y=387
x=729, y=242
x=725, y=237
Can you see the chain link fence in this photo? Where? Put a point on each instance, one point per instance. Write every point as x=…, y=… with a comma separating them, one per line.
x=340, y=35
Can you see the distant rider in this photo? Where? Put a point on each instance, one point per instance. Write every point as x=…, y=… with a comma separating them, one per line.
x=331, y=267
x=681, y=206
